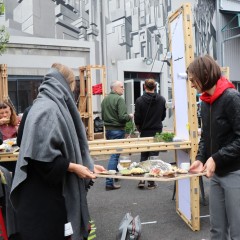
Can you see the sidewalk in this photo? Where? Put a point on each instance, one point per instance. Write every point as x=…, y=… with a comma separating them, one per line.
x=155, y=208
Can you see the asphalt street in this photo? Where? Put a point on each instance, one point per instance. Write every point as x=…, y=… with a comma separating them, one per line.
x=156, y=208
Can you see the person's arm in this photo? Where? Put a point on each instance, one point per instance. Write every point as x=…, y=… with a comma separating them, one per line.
x=50, y=172
x=224, y=156
x=137, y=115
x=122, y=111
x=81, y=171
x=164, y=110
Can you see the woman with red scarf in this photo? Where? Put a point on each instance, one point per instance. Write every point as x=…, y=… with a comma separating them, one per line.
x=219, y=146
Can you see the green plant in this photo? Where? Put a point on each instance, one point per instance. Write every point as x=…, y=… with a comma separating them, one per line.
x=2, y=7
x=130, y=127
x=4, y=38
x=164, y=137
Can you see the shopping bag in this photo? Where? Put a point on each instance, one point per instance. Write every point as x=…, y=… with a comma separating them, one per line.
x=130, y=228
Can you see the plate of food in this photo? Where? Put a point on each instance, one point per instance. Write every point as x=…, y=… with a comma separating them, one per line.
x=109, y=172
x=137, y=171
x=125, y=172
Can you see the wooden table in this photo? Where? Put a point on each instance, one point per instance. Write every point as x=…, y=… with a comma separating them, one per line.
x=127, y=145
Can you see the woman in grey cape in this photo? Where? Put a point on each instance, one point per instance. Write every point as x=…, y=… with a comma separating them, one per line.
x=54, y=166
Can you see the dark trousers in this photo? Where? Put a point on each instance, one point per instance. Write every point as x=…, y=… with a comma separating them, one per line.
x=146, y=155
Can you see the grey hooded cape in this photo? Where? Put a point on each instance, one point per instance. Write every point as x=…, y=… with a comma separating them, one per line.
x=55, y=129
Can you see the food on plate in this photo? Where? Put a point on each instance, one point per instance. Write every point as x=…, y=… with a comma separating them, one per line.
x=180, y=170
x=109, y=172
x=125, y=172
x=137, y=171
x=155, y=172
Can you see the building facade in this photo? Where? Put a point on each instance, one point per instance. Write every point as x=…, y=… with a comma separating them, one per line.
x=130, y=37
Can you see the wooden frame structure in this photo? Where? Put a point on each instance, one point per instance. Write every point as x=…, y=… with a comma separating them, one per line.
x=85, y=105
x=3, y=83
x=187, y=191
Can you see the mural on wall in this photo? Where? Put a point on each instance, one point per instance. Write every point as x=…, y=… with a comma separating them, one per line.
x=204, y=22
x=72, y=19
x=205, y=29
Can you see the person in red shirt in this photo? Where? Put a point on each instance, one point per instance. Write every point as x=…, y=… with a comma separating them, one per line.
x=8, y=121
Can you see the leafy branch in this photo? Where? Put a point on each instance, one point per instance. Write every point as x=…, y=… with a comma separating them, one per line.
x=4, y=38
x=4, y=35
x=164, y=137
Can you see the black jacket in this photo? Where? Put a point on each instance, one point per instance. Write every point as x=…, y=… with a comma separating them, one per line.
x=220, y=137
x=1, y=138
x=150, y=111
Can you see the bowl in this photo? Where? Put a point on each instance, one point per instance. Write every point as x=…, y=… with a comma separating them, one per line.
x=125, y=163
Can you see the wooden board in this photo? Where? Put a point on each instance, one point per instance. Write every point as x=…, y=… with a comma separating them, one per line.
x=159, y=179
x=130, y=145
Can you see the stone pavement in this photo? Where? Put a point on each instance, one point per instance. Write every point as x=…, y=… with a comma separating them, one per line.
x=155, y=208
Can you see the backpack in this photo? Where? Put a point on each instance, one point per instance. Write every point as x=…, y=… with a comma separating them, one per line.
x=130, y=228
x=98, y=125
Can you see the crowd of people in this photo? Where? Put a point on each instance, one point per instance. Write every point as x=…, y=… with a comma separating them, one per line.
x=54, y=169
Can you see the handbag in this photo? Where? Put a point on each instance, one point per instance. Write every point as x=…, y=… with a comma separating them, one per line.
x=98, y=125
x=130, y=228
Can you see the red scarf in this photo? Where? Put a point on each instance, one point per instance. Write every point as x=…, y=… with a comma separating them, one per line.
x=221, y=86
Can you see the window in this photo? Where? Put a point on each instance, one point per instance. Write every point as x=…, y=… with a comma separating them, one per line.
x=22, y=90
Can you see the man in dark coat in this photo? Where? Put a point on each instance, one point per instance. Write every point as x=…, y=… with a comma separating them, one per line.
x=150, y=111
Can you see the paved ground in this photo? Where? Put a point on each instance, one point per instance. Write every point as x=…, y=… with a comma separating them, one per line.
x=107, y=208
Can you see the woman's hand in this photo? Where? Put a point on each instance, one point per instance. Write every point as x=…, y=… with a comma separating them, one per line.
x=98, y=169
x=81, y=171
x=196, y=167
x=210, y=166
x=4, y=121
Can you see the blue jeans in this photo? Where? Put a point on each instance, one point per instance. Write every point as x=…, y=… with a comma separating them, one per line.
x=113, y=161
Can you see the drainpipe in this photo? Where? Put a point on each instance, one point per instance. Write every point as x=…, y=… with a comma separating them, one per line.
x=103, y=34
x=220, y=54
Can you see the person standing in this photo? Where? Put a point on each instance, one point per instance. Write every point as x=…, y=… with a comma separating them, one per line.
x=8, y=121
x=219, y=146
x=150, y=111
x=54, y=166
x=115, y=116
x=9, y=128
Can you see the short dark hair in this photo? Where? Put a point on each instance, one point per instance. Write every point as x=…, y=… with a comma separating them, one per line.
x=150, y=83
x=205, y=70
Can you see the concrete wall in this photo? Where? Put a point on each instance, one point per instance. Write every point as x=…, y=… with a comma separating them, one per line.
x=34, y=56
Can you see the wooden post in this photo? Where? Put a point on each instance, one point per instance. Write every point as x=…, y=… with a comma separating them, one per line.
x=185, y=111
x=3, y=83
x=85, y=105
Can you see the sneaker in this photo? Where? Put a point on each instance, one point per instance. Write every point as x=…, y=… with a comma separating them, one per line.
x=151, y=185
x=112, y=187
x=141, y=184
